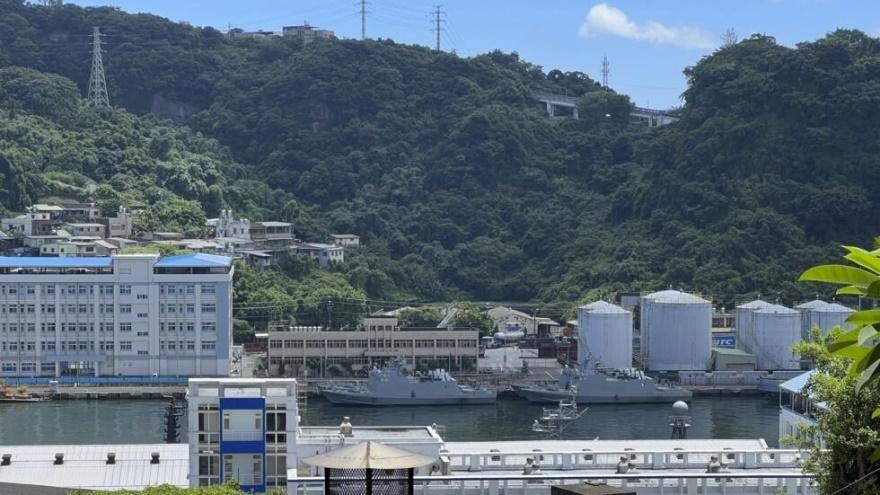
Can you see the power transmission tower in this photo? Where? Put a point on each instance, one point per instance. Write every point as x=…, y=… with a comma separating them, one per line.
x=606, y=69
x=438, y=19
x=729, y=38
x=97, y=84
x=363, y=19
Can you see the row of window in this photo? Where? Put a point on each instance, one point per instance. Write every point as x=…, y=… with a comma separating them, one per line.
x=104, y=345
x=103, y=289
x=104, y=326
x=27, y=367
x=372, y=344
x=188, y=308
x=102, y=308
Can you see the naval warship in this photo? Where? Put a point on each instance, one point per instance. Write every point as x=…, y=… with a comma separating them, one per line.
x=593, y=385
x=389, y=386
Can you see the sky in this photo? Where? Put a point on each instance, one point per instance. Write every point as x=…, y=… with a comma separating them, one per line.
x=648, y=43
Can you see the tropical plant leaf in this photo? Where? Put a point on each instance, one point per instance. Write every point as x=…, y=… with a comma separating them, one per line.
x=845, y=339
x=876, y=413
x=863, y=317
x=868, y=375
x=839, y=274
x=850, y=290
x=869, y=361
x=863, y=258
x=853, y=352
x=875, y=457
x=867, y=332
x=873, y=291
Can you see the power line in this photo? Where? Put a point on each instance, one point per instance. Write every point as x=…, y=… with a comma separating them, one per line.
x=97, y=83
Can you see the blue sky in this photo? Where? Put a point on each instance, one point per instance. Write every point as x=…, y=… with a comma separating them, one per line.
x=648, y=42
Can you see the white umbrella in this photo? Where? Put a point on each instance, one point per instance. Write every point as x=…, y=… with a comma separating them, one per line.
x=369, y=455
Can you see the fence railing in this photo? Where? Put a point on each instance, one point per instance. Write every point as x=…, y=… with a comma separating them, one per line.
x=645, y=483
x=97, y=381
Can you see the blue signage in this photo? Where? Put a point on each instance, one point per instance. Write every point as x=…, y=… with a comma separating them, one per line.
x=724, y=341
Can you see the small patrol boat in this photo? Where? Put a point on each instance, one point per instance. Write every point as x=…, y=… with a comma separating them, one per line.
x=389, y=386
x=9, y=394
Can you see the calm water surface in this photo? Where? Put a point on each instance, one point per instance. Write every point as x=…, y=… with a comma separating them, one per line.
x=61, y=422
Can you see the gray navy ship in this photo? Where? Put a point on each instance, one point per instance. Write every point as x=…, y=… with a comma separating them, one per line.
x=591, y=385
x=389, y=386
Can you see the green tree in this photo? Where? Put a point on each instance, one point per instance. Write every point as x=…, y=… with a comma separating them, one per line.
x=425, y=316
x=472, y=316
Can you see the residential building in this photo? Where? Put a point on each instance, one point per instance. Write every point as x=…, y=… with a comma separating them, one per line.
x=797, y=409
x=346, y=240
x=133, y=315
x=301, y=350
x=260, y=34
x=78, y=248
x=86, y=229
x=117, y=226
x=272, y=234
x=227, y=226
x=79, y=212
x=507, y=319
x=28, y=224
x=307, y=33
x=54, y=211
x=243, y=429
x=324, y=253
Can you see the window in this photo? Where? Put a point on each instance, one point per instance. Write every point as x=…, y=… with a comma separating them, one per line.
x=275, y=344
x=170, y=289
x=190, y=308
x=209, y=327
x=209, y=289
x=190, y=327
x=208, y=345
x=190, y=289
x=13, y=290
x=209, y=308
x=125, y=289
x=172, y=345
x=141, y=315
x=190, y=345
x=28, y=367
x=124, y=345
x=125, y=308
x=172, y=327
x=30, y=290
x=125, y=327
x=142, y=296
x=83, y=289
x=143, y=334
x=83, y=308
x=106, y=290
x=171, y=308
x=9, y=367
x=50, y=290
x=143, y=353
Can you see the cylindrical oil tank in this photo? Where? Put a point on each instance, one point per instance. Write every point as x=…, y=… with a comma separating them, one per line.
x=776, y=329
x=605, y=335
x=676, y=331
x=745, y=336
x=807, y=310
x=831, y=315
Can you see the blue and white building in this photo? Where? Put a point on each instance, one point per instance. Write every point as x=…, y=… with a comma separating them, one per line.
x=797, y=410
x=132, y=315
x=243, y=429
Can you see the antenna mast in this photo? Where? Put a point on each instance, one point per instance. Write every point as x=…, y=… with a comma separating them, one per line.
x=606, y=69
x=97, y=84
x=438, y=19
x=363, y=19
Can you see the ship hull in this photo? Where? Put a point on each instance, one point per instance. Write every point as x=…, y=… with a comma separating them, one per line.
x=548, y=395
x=359, y=399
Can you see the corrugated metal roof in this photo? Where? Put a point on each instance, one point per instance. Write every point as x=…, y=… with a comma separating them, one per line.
x=756, y=304
x=675, y=296
x=797, y=383
x=275, y=224
x=195, y=260
x=85, y=466
x=814, y=304
x=51, y=262
x=603, y=307
x=776, y=309
x=835, y=308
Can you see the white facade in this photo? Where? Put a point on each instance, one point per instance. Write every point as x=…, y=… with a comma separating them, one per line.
x=605, y=335
x=824, y=315
x=776, y=329
x=228, y=226
x=243, y=429
x=134, y=315
x=86, y=229
x=676, y=331
x=346, y=240
x=29, y=224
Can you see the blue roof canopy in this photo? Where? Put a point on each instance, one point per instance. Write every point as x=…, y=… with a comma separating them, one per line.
x=796, y=384
x=53, y=262
x=195, y=260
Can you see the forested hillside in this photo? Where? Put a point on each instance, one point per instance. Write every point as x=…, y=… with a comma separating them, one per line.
x=457, y=182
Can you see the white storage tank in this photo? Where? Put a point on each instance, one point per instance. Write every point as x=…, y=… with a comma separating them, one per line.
x=807, y=310
x=676, y=331
x=776, y=329
x=605, y=335
x=745, y=336
x=831, y=315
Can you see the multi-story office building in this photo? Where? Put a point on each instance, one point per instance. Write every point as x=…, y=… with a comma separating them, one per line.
x=316, y=351
x=132, y=315
x=243, y=429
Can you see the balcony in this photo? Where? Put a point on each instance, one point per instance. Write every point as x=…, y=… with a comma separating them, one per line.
x=242, y=435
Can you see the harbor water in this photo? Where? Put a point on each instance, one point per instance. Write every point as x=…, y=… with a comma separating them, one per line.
x=141, y=421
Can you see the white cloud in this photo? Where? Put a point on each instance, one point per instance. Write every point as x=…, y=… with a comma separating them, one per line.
x=604, y=20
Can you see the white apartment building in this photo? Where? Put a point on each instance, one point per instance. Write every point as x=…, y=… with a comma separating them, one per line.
x=316, y=351
x=243, y=429
x=134, y=315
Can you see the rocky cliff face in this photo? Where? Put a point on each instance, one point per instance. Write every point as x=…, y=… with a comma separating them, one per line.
x=170, y=109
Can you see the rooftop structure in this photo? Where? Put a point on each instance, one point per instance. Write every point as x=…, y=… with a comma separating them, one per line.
x=307, y=33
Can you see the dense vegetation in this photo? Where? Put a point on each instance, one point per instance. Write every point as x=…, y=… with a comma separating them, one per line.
x=457, y=182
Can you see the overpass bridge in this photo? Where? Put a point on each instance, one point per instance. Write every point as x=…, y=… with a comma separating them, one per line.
x=651, y=116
